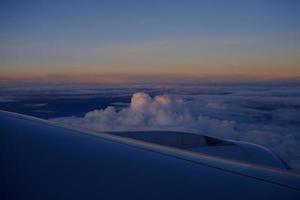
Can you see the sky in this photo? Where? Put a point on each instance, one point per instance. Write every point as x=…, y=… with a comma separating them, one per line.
x=116, y=42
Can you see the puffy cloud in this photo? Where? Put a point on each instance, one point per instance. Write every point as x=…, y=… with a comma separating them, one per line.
x=164, y=112
x=144, y=112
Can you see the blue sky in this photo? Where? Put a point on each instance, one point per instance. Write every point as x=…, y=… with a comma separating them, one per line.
x=149, y=38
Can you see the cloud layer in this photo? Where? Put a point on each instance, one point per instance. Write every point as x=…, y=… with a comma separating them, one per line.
x=202, y=115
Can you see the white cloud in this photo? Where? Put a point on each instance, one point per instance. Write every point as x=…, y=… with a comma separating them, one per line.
x=144, y=112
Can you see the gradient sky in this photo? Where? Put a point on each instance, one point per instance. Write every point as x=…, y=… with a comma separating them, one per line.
x=149, y=41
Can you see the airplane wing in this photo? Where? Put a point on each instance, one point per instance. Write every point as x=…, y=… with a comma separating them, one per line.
x=40, y=159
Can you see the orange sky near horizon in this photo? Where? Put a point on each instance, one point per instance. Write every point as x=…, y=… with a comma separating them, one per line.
x=147, y=42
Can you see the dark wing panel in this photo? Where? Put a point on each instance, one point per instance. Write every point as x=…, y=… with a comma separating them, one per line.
x=42, y=161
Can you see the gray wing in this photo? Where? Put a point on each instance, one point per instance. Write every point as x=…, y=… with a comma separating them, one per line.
x=42, y=160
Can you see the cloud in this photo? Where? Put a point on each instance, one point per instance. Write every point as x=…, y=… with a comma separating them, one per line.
x=223, y=118
x=4, y=99
x=144, y=112
x=36, y=104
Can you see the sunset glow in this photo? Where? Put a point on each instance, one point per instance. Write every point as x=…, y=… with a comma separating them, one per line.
x=149, y=41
